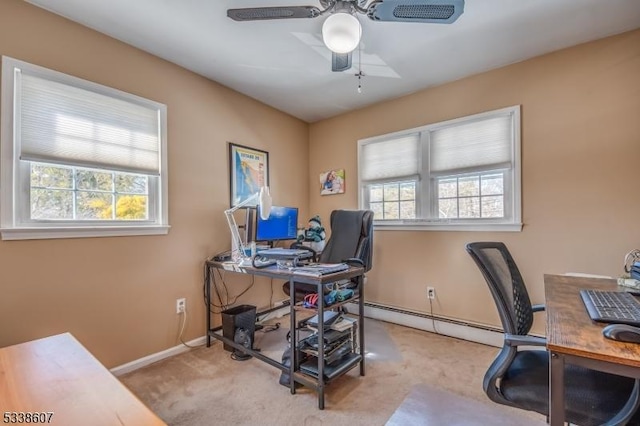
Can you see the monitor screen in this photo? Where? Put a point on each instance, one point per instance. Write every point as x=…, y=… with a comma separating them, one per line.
x=281, y=225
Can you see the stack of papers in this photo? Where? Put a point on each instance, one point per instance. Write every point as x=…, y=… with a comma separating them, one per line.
x=319, y=269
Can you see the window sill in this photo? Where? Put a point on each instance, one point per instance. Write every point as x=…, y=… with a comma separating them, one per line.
x=484, y=227
x=81, y=232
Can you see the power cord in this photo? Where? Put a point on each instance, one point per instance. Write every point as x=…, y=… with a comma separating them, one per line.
x=270, y=327
x=182, y=326
x=433, y=320
x=221, y=291
x=253, y=281
x=213, y=287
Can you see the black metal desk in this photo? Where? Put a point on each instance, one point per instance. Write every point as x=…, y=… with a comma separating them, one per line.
x=288, y=275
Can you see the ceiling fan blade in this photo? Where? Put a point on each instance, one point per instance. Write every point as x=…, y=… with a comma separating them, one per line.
x=426, y=11
x=340, y=61
x=264, y=13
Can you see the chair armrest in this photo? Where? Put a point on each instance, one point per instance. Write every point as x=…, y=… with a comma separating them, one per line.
x=538, y=308
x=353, y=260
x=520, y=340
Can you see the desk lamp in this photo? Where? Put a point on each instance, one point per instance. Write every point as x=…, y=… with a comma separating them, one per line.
x=238, y=249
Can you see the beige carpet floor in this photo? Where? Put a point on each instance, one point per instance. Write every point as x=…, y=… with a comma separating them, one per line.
x=206, y=387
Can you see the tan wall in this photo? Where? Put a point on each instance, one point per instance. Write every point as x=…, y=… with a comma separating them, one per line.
x=117, y=295
x=581, y=165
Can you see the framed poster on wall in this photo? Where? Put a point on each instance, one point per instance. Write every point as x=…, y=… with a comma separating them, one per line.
x=248, y=172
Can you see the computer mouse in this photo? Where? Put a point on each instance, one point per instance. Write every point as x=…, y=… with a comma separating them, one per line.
x=622, y=333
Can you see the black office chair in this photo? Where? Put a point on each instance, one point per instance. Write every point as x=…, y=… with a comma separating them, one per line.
x=351, y=241
x=520, y=378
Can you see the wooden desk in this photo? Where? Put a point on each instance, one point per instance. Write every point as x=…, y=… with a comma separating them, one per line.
x=573, y=338
x=58, y=375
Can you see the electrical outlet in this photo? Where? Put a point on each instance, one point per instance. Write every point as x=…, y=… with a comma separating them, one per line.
x=431, y=292
x=181, y=305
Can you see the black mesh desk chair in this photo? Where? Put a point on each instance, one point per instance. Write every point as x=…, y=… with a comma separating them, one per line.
x=520, y=378
x=351, y=241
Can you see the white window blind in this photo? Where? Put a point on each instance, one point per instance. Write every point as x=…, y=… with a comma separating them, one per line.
x=59, y=123
x=472, y=145
x=459, y=174
x=390, y=159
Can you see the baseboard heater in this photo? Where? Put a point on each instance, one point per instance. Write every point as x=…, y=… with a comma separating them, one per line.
x=479, y=333
x=452, y=327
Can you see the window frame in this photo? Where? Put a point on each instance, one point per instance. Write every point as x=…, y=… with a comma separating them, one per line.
x=426, y=183
x=15, y=214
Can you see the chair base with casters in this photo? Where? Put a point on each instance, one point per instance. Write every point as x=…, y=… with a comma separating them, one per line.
x=520, y=378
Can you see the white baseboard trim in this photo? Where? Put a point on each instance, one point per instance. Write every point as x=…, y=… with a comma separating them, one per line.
x=167, y=353
x=158, y=356
x=446, y=326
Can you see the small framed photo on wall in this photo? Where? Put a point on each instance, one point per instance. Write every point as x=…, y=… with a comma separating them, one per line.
x=248, y=172
x=332, y=182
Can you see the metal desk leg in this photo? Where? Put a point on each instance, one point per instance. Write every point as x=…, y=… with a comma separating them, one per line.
x=207, y=292
x=293, y=336
x=320, y=346
x=556, y=389
x=361, y=321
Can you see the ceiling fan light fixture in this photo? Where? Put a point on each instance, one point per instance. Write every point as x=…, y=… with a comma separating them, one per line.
x=341, y=32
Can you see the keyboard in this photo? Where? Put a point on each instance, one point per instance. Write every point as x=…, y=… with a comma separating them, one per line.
x=284, y=252
x=611, y=306
x=285, y=255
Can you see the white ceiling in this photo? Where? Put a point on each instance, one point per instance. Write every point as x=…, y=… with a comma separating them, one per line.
x=283, y=63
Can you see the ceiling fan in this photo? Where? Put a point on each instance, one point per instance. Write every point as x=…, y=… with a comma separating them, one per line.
x=341, y=30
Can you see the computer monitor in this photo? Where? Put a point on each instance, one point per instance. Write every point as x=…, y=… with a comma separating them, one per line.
x=281, y=225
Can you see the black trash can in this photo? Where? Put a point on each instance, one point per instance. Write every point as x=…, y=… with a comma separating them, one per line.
x=241, y=316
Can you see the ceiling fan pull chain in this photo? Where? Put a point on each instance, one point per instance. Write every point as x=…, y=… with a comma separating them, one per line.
x=360, y=74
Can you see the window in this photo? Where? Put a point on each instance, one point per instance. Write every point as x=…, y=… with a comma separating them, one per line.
x=393, y=200
x=78, y=159
x=462, y=174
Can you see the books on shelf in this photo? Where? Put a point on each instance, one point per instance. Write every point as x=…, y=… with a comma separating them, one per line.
x=332, y=321
x=328, y=318
x=345, y=323
x=339, y=332
x=310, y=345
x=319, y=269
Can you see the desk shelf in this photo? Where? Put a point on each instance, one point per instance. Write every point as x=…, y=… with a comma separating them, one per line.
x=299, y=306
